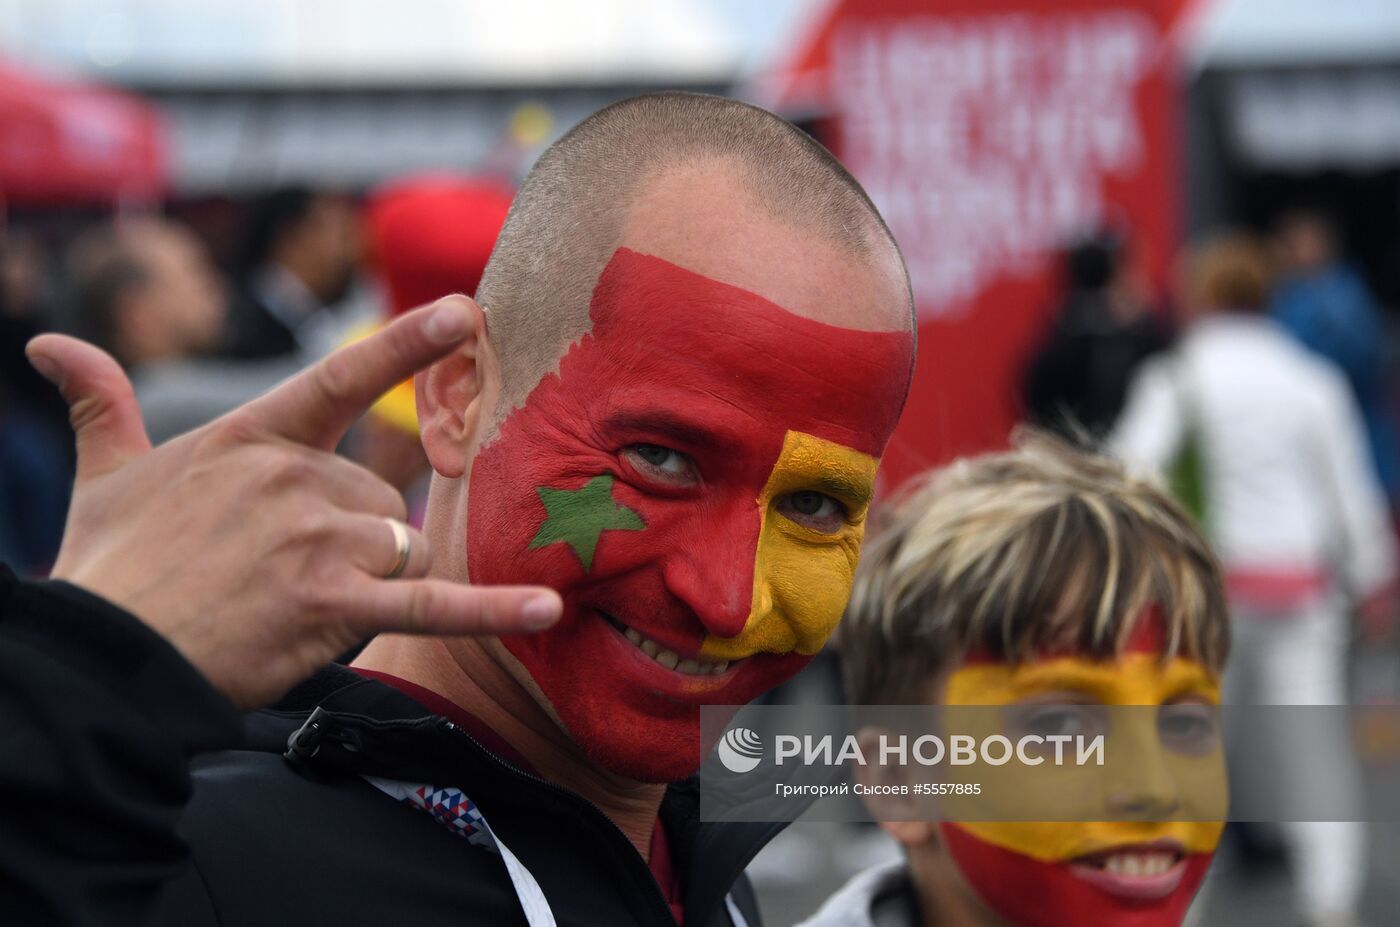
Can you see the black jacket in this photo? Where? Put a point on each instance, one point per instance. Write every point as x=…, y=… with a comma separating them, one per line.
x=115, y=807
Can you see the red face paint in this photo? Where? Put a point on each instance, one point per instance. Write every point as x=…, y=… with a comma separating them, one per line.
x=679, y=361
x=1028, y=892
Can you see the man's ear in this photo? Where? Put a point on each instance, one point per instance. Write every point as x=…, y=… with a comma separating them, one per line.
x=451, y=396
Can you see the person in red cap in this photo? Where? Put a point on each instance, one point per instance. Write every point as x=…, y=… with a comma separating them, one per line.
x=427, y=236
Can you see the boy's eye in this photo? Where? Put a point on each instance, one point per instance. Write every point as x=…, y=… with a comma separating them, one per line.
x=814, y=510
x=662, y=464
x=1192, y=728
x=1060, y=720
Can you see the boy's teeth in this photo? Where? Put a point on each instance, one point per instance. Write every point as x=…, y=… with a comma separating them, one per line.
x=1139, y=864
x=670, y=659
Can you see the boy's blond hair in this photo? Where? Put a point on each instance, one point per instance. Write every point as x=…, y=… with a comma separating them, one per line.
x=1041, y=548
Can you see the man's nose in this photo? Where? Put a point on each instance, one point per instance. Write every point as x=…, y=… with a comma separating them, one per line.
x=713, y=573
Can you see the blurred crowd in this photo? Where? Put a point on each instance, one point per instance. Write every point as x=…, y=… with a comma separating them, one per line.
x=1262, y=384
x=199, y=333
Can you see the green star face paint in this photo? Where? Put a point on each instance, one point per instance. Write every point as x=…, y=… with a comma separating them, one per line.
x=579, y=517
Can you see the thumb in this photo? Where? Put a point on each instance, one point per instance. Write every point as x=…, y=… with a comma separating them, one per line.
x=101, y=404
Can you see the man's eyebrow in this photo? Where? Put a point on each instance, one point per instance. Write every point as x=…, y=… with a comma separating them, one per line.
x=683, y=431
x=857, y=491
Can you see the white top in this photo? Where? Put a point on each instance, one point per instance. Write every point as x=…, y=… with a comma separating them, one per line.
x=878, y=897
x=1288, y=480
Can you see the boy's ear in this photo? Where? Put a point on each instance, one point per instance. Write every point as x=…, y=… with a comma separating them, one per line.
x=451, y=395
x=897, y=813
x=910, y=834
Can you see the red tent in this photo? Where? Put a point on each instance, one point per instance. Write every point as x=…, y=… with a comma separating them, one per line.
x=67, y=141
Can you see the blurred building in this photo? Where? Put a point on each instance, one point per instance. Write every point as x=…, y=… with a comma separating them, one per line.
x=262, y=93
x=1295, y=103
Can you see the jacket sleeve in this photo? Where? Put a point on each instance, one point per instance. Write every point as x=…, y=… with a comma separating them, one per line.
x=1149, y=433
x=1361, y=529
x=99, y=717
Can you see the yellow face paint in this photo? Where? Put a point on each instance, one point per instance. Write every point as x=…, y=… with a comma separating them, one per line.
x=1133, y=679
x=802, y=578
x=1143, y=769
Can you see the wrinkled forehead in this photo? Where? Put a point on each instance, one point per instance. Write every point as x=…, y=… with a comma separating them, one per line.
x=666, y=336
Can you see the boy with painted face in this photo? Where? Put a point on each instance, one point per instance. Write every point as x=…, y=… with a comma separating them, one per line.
x=1031, y=580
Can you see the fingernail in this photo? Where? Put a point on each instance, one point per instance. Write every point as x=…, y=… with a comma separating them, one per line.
x=541, y=612
x=446, y=324
x=46, y=366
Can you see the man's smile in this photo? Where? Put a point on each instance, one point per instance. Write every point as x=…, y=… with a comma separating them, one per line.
x=664, y=656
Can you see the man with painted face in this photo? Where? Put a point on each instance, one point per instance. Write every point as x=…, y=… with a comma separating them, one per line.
x=667, y=405
x=1047, y=584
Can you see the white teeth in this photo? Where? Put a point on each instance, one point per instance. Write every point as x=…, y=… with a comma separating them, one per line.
x=1139, y=864
x=672, y=660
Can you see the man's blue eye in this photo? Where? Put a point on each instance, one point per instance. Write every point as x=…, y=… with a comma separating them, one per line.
x=810, y=503
x=654, y=454
x=661, y=464
x=814, y=510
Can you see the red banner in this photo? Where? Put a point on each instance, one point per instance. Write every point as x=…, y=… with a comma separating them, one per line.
x=991, y=133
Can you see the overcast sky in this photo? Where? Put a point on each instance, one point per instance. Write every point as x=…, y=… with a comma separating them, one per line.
x=188, y=41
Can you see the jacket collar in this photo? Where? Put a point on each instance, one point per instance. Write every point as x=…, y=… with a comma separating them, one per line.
x=340, y=723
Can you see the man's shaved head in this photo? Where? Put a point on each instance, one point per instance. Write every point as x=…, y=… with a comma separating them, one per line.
x=579, y=204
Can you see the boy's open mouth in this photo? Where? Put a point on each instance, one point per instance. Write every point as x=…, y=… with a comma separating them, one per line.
x=1141, y=871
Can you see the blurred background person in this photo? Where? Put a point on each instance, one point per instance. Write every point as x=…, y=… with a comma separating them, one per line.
x=1295, y=513
x=299, y=256
x=36, y=457
x=1104, y=328
x=1328, y=306
x=426, y=237
x=146, y=291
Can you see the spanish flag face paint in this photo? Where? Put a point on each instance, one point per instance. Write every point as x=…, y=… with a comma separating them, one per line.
x=694, y=481
x=1131, y=870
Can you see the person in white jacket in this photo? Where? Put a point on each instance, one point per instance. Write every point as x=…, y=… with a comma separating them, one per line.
x=1293, y=510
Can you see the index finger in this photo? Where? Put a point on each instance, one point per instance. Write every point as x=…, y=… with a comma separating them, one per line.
x=318, y=405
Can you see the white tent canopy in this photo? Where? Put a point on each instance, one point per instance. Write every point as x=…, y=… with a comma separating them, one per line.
x=359, y=42
x=1230, y=33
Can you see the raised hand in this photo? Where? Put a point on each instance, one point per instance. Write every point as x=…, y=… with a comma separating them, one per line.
x=248, y=544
